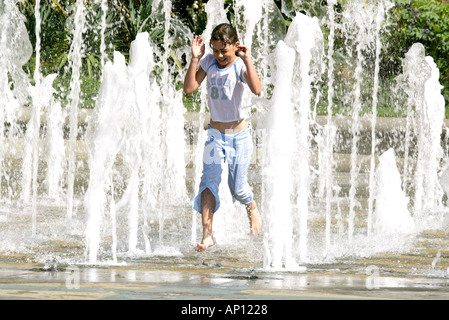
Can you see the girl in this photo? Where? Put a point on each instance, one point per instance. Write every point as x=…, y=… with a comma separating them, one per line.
x=229, y=137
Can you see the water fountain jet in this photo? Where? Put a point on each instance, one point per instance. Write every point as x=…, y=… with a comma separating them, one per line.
x=136, y=153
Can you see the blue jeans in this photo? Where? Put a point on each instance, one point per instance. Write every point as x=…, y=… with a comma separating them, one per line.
x=236, y=150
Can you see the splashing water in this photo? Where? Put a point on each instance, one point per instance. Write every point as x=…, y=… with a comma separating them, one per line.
x=135, y=143
x=391, y=215
x=288, y=139
x=278, y=160
x=424, y=93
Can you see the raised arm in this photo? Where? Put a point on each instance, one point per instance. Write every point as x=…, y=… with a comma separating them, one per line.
x=251, y=76
x=195, y=75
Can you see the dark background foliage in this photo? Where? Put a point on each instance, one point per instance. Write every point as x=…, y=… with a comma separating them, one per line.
x=425, y=21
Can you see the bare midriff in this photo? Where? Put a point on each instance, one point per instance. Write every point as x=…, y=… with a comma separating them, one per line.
x=230, y=127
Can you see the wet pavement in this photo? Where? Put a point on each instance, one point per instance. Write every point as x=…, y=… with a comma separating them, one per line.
x=48, y=268
x=31, y=281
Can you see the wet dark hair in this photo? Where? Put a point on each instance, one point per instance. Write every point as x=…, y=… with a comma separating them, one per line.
x=224, y=32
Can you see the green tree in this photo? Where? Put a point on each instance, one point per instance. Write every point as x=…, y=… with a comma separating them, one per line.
x=424, y=21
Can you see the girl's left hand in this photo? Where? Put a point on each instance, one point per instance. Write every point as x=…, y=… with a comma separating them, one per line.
x=243, y=51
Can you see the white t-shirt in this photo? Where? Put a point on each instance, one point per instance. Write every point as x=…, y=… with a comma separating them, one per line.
x=225, y=89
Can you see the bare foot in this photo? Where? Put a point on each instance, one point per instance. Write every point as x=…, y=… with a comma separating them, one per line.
x=207, y=242
x=254, y=218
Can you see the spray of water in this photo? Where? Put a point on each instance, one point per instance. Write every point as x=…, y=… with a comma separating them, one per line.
x=136, y=141
x=286, y=156
x=426, y=117
x=140, y=121
x=278, y=160
x=74, y=98
x=391, y=215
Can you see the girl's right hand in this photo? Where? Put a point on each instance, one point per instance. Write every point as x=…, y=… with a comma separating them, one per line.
x=198, y=47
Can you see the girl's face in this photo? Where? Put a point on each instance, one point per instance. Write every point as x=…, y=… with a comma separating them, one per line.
x=224, y=53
